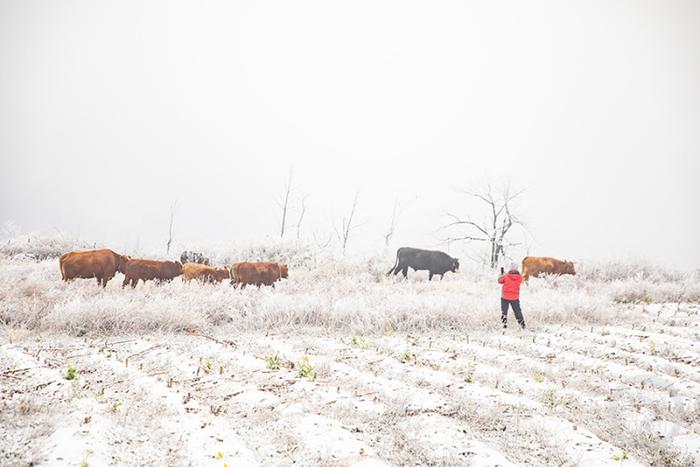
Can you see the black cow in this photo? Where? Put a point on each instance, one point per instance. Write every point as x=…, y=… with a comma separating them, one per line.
x=436, y=262
x=193, y=257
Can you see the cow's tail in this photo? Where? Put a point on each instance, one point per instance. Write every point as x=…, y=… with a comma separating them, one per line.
x=233, y=273
x=63, y=268
x=396, y=263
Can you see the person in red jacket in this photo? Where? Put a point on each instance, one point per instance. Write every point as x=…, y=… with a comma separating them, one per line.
x=511, y=295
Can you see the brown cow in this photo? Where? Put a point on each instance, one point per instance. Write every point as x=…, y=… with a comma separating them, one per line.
x=99, y=264
x=536, y=265
x=257, y=273
x=149, y=269
x=204, y=273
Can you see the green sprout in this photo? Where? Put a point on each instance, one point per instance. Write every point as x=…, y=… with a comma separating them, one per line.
x=359, y=342
x=406, y=356
x=273, y=361
x=306, y=370
x=71, y=373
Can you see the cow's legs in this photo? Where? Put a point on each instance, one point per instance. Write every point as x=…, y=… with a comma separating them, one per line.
x=99, y=280
x=430, y=275
x=105, y=279
x=405, y=272
x=126, y=281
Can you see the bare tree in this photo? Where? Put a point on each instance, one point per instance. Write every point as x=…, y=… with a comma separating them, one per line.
x=285, y=203
x=494, y=229
x=347, y=226
x=301, y=216
x=392, y=227
x=322, y=242
x=170, y=228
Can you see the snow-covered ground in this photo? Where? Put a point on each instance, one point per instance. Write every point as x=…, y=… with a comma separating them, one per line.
x=340, y=365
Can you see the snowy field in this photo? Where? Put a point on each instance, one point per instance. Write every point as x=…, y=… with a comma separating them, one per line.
x=340, y=365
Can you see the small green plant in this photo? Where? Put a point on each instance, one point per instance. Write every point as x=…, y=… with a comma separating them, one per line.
x=652, y=348
x=469, y=378
x=209, y=364
x=550, y=398
x=71, y=372
x=84, y=462
x=358, y=342
x=406, y=356
x=306, y=370
x=620, y=457
x=647, y=299
x=116, y=406
x=538, y=378
x=273, y=361
x=604, y=332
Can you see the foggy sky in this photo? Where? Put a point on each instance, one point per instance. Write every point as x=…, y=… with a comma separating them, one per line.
x=111, y=111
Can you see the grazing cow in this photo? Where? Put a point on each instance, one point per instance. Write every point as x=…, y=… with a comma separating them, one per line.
x=204, y=273
x=257, y=273
x=98, y=264
x=536, y=265
x=193, y=257
x=148, y=269
x=435, y=262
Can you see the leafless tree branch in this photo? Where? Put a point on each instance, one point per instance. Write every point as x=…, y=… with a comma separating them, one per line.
x=285, y=203
x=170, y=227
x=392, y=227
x=496, y=228
x=301, y=216
x=347, y=226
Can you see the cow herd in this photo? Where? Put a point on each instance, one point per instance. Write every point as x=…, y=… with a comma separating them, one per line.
x=104, y=264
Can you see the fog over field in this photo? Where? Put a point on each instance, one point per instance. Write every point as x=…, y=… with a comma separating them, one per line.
x=110, y=112
x=296, y=146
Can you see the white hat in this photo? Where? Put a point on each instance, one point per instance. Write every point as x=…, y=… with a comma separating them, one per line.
x=513, y=267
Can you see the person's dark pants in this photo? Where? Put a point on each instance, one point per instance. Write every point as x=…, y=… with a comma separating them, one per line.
x=515, y=304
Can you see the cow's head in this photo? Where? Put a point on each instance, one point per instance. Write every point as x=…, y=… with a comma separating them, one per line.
x=178, y=267
x=121, y=262
x=284, y=271
x=569, y=268
x=221, y=274
x=455, y=265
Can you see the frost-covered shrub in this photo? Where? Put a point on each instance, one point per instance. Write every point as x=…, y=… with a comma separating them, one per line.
x=620, y=271
x=40, y=247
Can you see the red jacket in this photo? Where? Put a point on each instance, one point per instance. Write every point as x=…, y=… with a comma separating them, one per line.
x=511, y=285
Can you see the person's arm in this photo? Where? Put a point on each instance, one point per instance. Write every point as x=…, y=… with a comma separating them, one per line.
x=502, y=279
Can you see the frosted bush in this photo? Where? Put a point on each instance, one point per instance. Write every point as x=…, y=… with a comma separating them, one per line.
x=40, y=247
